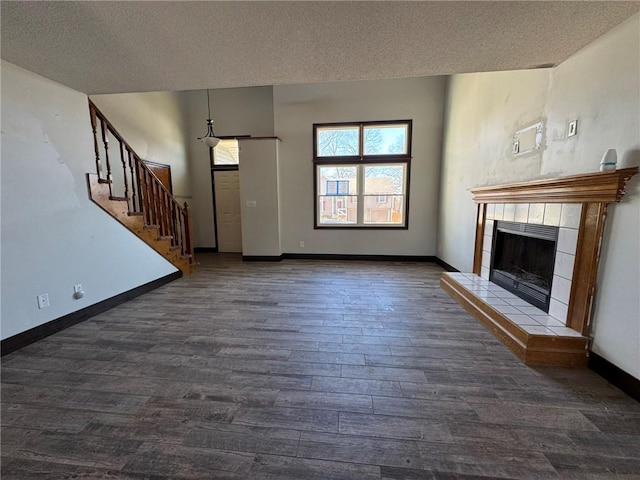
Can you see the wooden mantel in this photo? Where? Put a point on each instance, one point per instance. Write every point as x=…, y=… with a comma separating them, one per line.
x=598, y=187
x=594, y=191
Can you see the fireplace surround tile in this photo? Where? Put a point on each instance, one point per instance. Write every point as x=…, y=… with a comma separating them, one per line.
x=499, y=213
x=485, y=272
x=536, y=213
x=486, y=259
x=547, y=321
x=522, y=320
x=567, y=240
x=518, y=302
x=570, y=215
x=507, y=309
x=530, y=310
x=558, y=309
x=488, y=229
x=565, y=331
x=491, y=209
x=509, y=214
x=522, y=212
x=564, y=265
x=561, y=289
x=576, y=203
x=497, y=302
x=537, y=329
x=552, y=214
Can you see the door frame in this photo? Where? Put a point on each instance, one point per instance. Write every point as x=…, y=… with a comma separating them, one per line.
x=149, y=163
x=219, y=168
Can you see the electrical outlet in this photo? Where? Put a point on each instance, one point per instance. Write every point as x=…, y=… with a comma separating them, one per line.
x=301, y=244
x=43, y=300
x=78, y=292
x=572, y=129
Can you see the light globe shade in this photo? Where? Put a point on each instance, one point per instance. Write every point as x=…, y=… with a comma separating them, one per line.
x=210, y=141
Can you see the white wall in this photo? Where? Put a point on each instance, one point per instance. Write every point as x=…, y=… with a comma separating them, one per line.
x=482, y=112
x=259, y=179
x=53, y=236
x=298, y=107
x=235, y=111
x=600, y=87
x=155, y=126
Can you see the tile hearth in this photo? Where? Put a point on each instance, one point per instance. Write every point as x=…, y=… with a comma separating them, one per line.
x=577, y=206
x=536, y=337
x=530, y=319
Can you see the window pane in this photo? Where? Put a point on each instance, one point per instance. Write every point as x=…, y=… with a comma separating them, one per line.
x=337, y=141
x=337, y=209
x=384, y=209
x=226, y=153
x=384, y=179
x=338, y=180
x=386, y=139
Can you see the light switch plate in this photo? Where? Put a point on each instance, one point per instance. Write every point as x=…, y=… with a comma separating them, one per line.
x=573, y=128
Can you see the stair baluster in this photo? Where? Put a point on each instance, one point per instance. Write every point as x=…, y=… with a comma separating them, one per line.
x=105, y=142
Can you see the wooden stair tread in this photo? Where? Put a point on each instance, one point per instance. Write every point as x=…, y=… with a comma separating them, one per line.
x=118, y=208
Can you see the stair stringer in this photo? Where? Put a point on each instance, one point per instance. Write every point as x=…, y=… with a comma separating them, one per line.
x=119, y=209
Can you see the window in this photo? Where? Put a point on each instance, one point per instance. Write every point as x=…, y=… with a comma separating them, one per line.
x=226, y=152
x=361, y=174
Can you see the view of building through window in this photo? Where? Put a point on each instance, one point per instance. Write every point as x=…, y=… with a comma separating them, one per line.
x=368, y=187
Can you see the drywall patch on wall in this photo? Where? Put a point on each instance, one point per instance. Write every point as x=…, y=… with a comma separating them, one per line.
x=598, y=85
x=482, y=112
x=52, y=235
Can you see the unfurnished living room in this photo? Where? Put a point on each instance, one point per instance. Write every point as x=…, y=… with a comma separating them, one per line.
x=320, y=240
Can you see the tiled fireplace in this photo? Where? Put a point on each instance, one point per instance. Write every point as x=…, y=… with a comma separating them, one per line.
x=573, y=209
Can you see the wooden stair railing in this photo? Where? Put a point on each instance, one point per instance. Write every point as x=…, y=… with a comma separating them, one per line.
x=153, y=213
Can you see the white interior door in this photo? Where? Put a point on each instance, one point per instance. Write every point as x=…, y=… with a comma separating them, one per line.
x=227, y=187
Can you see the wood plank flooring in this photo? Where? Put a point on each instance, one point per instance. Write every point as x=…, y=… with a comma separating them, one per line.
x=303, y=370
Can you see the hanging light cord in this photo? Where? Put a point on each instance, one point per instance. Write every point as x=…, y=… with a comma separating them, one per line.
x=208, y=104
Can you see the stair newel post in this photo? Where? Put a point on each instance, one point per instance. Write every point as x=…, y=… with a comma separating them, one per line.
x=124, y=171
x=105, y=141
x=188, y=241
x=94, y=128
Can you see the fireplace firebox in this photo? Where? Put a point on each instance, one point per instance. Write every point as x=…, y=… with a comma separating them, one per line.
x=522, y=260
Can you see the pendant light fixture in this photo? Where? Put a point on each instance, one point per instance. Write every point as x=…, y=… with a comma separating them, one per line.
x=210, y=139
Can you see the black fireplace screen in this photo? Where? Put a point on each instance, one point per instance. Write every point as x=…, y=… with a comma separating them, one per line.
x=522, y=261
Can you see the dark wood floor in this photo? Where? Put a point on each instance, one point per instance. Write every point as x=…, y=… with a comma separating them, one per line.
x=303, y=370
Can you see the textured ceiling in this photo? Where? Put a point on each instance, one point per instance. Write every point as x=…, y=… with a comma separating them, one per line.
x=118, y=47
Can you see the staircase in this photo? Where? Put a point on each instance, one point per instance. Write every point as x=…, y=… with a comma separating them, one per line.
x=133, y=195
